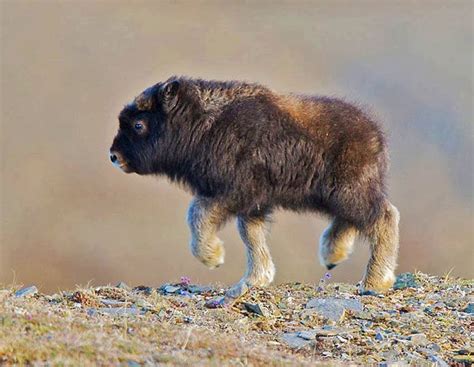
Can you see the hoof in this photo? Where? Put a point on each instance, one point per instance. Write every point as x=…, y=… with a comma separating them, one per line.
x=330, y=266
x=220, y=302
x=368, y=292
x=371, y=287
x=212, y=255
x=237, y=290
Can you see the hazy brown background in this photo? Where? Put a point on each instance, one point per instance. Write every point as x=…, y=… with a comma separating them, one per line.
x=68, y=67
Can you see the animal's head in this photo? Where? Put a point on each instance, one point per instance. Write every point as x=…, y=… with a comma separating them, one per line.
x=148, y=128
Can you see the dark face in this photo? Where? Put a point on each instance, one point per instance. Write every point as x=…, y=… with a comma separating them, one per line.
x=138, y=146
x=132, y=149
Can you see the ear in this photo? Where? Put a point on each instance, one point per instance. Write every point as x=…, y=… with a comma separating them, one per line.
x=171, y=88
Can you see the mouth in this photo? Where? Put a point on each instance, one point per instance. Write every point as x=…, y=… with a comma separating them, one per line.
x=124, y=167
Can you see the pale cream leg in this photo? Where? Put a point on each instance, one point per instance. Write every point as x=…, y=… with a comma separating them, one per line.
x=260, y=268
x=204, y=219
x=336, y=243
x=384, y=243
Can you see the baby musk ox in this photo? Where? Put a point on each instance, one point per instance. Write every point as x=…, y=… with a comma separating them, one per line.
x=244, y=151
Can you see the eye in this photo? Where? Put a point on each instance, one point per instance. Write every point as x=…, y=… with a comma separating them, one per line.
x=138, y=126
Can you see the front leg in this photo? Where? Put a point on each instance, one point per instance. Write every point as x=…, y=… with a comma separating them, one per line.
x=205, y=217
x=260, y=267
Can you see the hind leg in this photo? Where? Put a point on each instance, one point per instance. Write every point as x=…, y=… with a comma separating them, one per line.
x=260, y=267
x=383, y=238
x=336, y=243
x=204, y=220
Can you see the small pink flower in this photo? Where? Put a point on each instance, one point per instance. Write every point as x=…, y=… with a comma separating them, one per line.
x=185, y=280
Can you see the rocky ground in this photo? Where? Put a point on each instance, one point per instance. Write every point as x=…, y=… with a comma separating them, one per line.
x=426, y=320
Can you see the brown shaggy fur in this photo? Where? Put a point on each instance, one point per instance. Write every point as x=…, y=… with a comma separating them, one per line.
x=244, y=151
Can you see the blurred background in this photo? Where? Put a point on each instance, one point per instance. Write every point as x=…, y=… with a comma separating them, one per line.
x=67, y=68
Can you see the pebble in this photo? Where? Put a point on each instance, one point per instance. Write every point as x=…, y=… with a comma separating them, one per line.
x=438, y=361
x=171, y=289
x=91, y=312
x=429, y=311
x=256, y=309
x=324, y=332
x=122, y=311
x=143, y=289
x=419, y=339
x=434, y=347
x=469, y=308
x=406, y=280
x=27, y=291
x=123, y=285
x=112, y=302
x=334, y=308
x=143, y=304
x=307, y=334
x=198, y=289
x=294, y=341
x=379, y=337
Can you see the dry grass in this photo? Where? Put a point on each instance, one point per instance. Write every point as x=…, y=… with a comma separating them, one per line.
x=83, y=327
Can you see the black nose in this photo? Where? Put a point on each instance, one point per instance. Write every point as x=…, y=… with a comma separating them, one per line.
x=113, y=158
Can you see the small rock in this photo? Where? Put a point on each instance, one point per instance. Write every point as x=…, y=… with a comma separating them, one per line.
x=143, y=289
x=216, y=302
x=438, y=361
x=368, y=292
x=363, y=315
x=294, y=341
x=129, y=311
x=133, y=364
x=185, y=293
x=55, y=298
x=91, y=312
x=463, y=360
x=256, y=309
x=341, y=339
x=112, y=302
x=392, y=364
x=27, y=291
x=464, y=352
x=469, y=308
x=307, y=334
x=171, y=289
x=419, y=339
x=434, y=347
x=123, y=285
x=334, y=308
x=143, y=304
x=379, y=337
x=406, y=280
x=197, y=289
x=325, y=331
x=429, y=311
